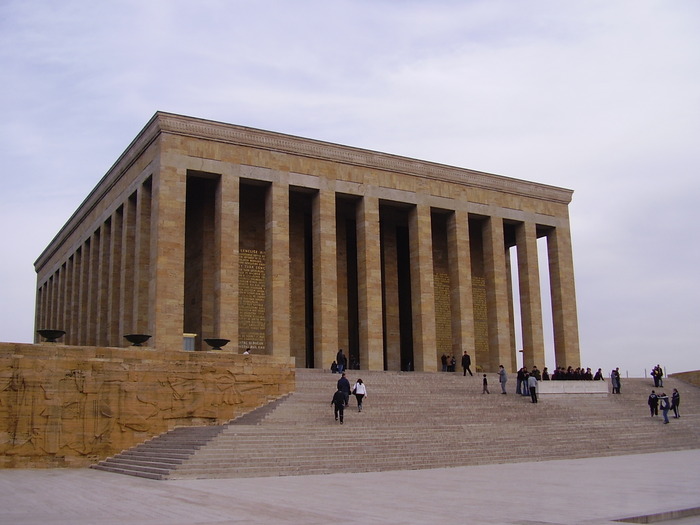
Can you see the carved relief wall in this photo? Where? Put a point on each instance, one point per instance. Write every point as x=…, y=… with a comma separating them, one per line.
x=66, y=406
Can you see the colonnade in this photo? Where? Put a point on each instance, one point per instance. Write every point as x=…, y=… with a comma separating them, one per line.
x=128, y=276
x=100, y=290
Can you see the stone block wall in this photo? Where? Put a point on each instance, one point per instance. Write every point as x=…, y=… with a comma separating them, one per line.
x=68, y=406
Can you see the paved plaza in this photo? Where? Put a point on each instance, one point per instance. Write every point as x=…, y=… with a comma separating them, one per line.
x=584, y=491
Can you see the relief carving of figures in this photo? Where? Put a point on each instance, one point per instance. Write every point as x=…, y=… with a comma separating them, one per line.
x=66, y=408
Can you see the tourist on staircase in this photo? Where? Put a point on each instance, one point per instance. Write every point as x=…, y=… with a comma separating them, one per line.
x=360, y=392
x=615, y=381
x=665, y=406
x=344, y=386
x=675, y=403
x=502, y=378
x=532, y=386
x=466, y=364
x=338, y=403
x=653, y=403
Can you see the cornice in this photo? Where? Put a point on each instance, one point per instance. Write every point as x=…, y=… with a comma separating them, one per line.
x=256, y=138
x=171, y=123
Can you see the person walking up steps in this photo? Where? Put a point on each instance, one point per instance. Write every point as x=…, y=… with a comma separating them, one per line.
x=360, y=392
x=344, y=386
x=485, y=390
x=338, y=403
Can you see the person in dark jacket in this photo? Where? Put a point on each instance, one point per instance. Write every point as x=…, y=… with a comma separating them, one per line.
x=344, y=387
x=338, y=403
x=675, y=403
x=466, y=364
x=653, y=403
x=665, y=405
x=340, y=360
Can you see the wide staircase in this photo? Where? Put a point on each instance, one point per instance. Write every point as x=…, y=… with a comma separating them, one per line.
x=414, y=421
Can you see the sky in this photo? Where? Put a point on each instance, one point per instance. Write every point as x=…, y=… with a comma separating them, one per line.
x=602, y=97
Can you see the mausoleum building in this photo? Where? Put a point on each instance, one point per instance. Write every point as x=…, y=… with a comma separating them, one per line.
x=296, y=248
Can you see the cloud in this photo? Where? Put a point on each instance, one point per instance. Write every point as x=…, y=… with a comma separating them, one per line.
x=600, y=97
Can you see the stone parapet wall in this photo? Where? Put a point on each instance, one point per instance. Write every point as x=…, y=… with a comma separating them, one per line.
x=572, y=387
x=692, y=377
x=70, y=406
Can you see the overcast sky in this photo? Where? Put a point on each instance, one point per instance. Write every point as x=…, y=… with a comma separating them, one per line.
x=602, y=97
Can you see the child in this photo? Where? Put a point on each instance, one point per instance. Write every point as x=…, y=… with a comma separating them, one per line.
x=338, y=403
x=486, y=386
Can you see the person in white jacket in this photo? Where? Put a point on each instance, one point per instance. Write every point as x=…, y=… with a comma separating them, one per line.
x=360, y=392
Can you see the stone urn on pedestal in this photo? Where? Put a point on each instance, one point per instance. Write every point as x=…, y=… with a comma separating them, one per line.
x=216, y=343
x=137, y=339
x=51, y=335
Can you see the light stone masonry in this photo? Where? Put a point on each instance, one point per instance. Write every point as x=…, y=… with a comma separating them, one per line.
x=298, y=247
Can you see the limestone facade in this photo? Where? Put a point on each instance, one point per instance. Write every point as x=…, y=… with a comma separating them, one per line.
x=295, y=248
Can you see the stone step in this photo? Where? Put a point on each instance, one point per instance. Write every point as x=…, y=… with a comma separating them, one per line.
x=416, y=420
x=131, y=471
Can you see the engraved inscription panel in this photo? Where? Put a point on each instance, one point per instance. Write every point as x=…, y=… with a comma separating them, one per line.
x=443, y=316
x=251, y=300
x=481, y=327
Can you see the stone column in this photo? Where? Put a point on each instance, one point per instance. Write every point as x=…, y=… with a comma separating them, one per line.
x=142, y=263
x=511, y=312
x=277, y=271
x=50, y=301
x=61, y=293
x=227, y=236
x=103, y=267
x=422, y=289
x=495, y=272
x=83, y=293
x=126, y=278
x=565, y=318
x=461, y=301
x=391, y=296
x=369, y=284
x=325, y=276
x=530, y=296
x=168, y=191
x=115, y=261
x=67, y=295
x=74, y=314
x=93, y=287
x=58, y=298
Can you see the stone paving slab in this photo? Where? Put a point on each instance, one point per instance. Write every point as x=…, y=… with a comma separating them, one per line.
x=563, y=492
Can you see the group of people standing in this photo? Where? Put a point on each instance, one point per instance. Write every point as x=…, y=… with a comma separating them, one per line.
x=341, y=397
x=662, y=399
x=657, y=374
x=615, y=381
x=527, y=382
x=526, y=385
x=449, y=363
